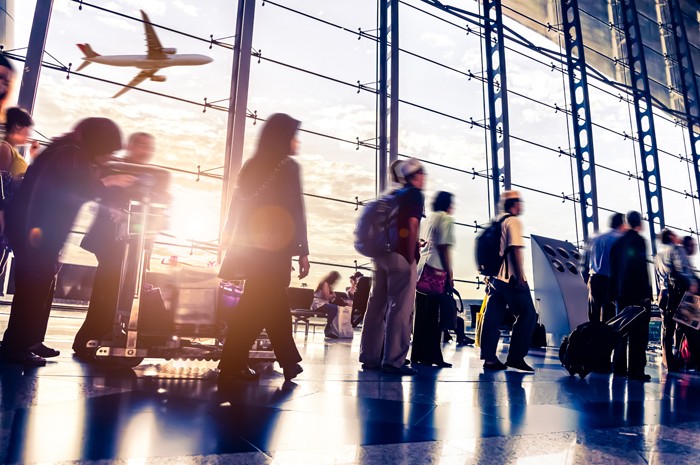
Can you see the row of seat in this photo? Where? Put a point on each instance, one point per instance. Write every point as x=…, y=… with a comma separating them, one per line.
x=300, y=299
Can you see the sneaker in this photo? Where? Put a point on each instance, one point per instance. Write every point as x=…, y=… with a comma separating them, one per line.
x=520, y=365
x=466, y=341
x=42, y=351
x=402, y=371
x=367, y=366
x=494, y=365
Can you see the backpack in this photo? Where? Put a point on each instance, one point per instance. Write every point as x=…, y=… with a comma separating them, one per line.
x=377, y=230
x=488, y=249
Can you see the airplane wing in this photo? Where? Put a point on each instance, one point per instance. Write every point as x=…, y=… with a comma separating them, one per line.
x=155, y=49
x=142, y=76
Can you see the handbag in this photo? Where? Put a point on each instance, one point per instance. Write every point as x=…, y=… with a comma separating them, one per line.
x=431, y=280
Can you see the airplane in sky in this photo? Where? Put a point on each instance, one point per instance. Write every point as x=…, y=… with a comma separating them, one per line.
x=157, y=57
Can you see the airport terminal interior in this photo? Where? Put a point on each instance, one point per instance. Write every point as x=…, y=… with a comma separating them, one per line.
x=586, y=108
x=335, y=413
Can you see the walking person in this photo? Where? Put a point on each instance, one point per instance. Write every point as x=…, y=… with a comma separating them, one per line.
x=39, y=220
x=509, y=288
x=266, y=227
x=109, y=250
x=386, y=330
x=600, y=304
x=630, y=285
x=434, y=255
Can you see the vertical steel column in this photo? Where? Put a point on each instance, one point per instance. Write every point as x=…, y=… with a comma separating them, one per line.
x=497, y=96
x=689, y=85
x=238, y=101
x=35, y=55
x=645, y=118
x=581, y=116
x=388, y=86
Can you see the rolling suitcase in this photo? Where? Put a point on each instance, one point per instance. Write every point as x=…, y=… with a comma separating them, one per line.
x=589, y=347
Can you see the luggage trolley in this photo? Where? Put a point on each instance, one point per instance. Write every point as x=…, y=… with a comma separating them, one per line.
x=192, y=304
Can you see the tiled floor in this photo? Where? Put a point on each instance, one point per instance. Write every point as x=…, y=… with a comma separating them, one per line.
x=172, y=413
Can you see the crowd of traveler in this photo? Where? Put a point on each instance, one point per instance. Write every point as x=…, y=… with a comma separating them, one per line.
x=266, y=229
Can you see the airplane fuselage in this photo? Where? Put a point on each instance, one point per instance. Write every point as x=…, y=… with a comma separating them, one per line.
x=142, y=62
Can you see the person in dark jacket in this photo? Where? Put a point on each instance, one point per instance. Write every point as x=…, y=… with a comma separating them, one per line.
x=630, y=285
x=110, y=251
x=266, y=227
x=39, y=220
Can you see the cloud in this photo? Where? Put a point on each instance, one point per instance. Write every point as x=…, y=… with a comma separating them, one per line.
x=186, y=8
x=119, y=23
x=437, y=40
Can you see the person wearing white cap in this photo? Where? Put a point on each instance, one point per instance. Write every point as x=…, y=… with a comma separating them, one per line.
x=509, y=288
x=386, y=330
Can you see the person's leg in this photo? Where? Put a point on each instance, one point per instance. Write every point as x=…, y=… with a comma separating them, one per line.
x=520, y=302
x=246, y=324
x=331, y=311
x=99, y=319
x=594, y=298
x=401, y=290
x=620, y=353
x=33, y=284
x=490, y=325
x=638, y=341
x=433, y=331
x=419, y=346
x=374, y=323
x=278, y=323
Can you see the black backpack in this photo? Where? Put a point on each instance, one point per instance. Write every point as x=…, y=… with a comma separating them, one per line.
x=488, y=249
x=588, y=349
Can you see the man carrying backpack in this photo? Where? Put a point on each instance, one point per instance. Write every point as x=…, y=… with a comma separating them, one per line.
x=386, y=330
x=509, y=287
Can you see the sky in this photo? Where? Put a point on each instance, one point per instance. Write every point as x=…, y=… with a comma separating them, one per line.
x=187, y=137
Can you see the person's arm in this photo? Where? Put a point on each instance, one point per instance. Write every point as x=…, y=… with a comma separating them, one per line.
x=519, y=271
x=413, y=224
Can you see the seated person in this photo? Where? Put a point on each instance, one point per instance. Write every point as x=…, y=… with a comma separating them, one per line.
x=353, y=285
x=323, y=296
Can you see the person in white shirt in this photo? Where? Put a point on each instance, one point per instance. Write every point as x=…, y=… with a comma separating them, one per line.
x=509, y=288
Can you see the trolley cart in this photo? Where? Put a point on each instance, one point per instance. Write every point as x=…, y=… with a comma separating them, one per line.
x=169, y=322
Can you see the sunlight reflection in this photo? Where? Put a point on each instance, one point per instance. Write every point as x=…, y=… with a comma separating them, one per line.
x=137, y=437
x=559, y=458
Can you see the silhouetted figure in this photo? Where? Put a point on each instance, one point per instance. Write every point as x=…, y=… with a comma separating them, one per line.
x=439, y=238
x=39, y=220
x=109, y=249
x=266, y=227
x=386, y=329
x=600, y=303
x=509, y=288
x=630, y=285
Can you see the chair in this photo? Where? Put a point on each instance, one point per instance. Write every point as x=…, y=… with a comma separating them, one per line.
x=299, y=300
x=359, y=302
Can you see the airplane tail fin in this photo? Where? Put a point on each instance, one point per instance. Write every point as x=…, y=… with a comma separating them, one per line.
x=88, y=52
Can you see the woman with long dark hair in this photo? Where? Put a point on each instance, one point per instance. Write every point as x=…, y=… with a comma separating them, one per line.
x=266, y=227
x=325, y=301
x=435, y=254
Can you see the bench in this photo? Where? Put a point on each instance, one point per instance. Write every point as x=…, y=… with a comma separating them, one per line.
x=300, y=299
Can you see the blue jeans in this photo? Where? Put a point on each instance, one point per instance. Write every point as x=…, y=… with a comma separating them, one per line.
x=520, y=303
x=331, y=311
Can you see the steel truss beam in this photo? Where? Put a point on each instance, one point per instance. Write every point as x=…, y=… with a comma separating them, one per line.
x=388, y=86
x=689, y=85
x=581, y=116
x=238, y=103
x=35, y=55
x=645, y=118
x=497, y=97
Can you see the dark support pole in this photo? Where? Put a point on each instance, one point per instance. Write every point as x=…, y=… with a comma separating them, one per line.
x=581, y=116
x=394, y=81
x=497, y=97
x=35, y=55
x=388, y=86
x=238, y=101
x=645, y=118
x=689, y=85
